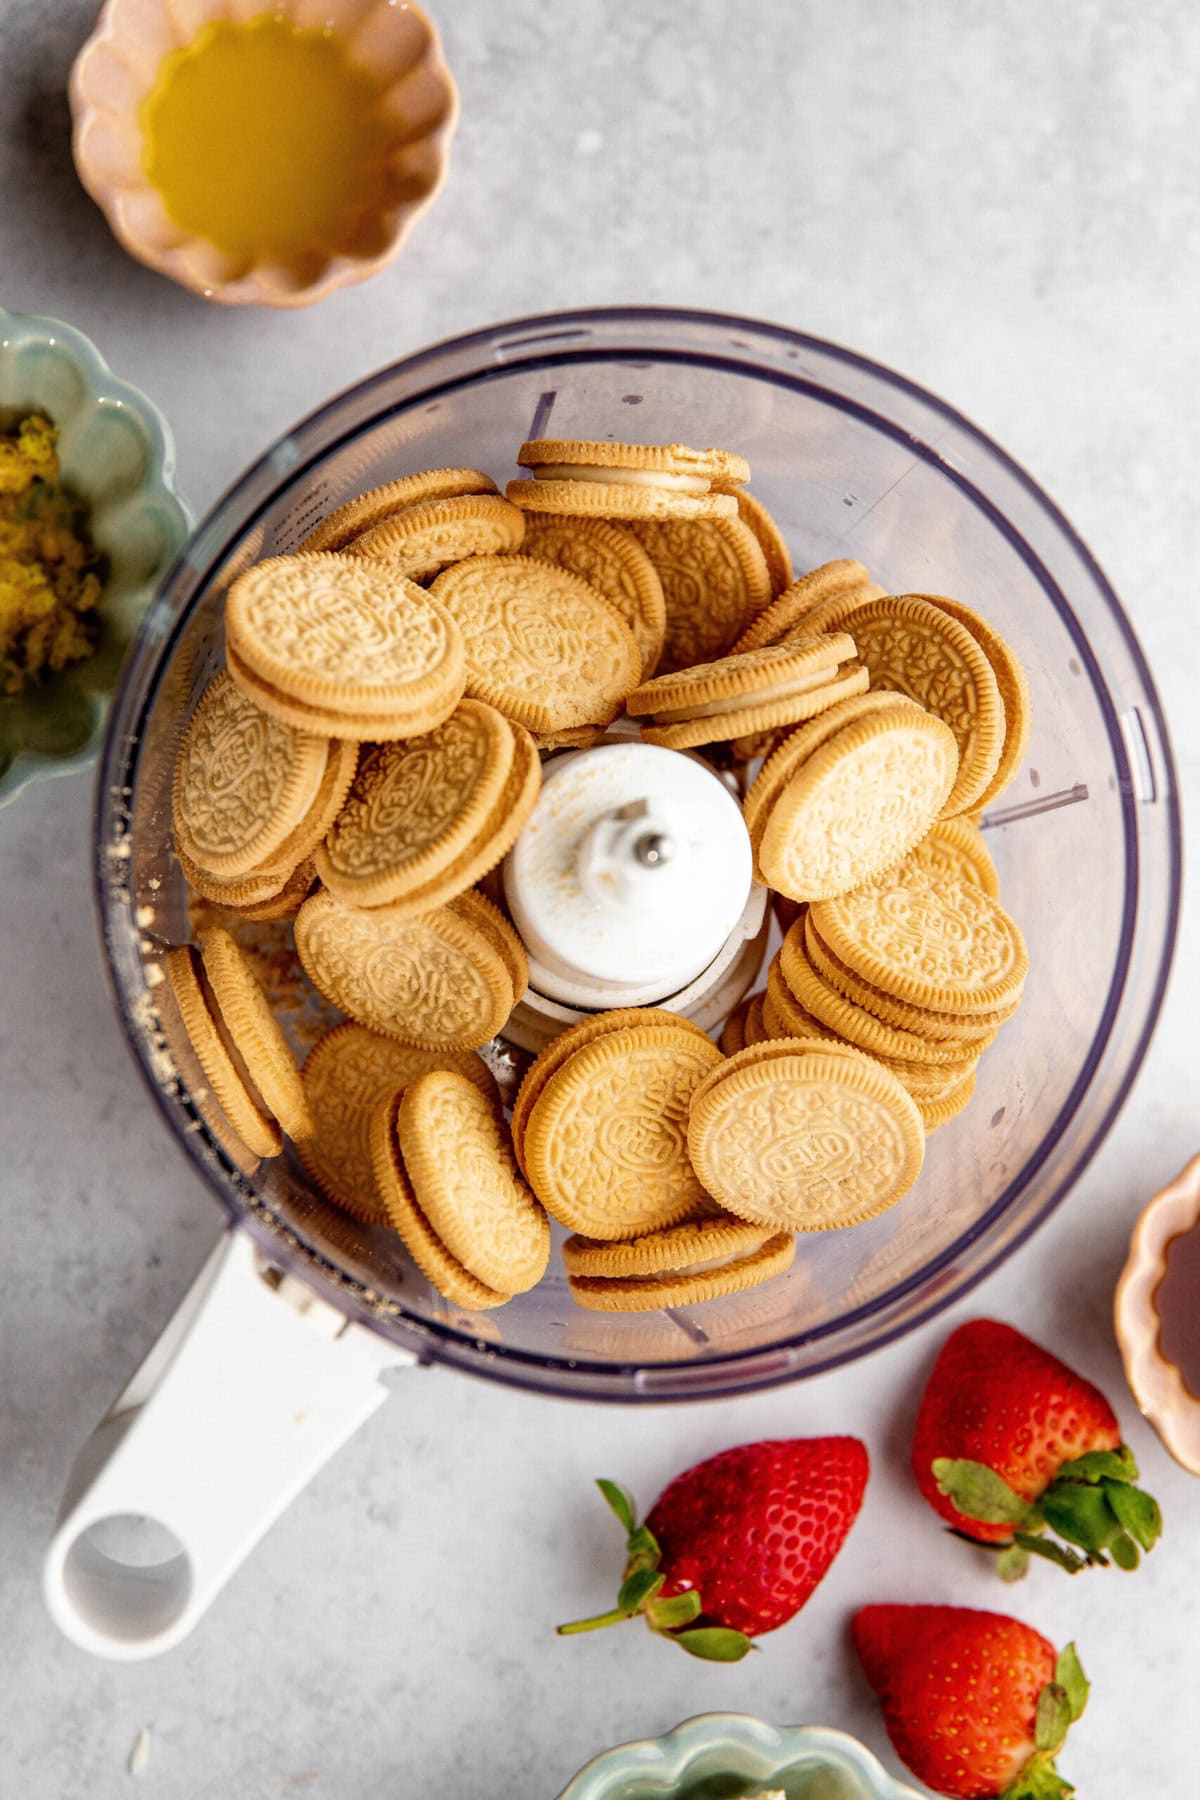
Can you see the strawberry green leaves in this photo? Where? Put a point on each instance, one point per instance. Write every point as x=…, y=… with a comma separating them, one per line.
x=1091, y=1504
x=1059, y=1704
x=978, y=1492
x=622, y=1503
x=641, y=1592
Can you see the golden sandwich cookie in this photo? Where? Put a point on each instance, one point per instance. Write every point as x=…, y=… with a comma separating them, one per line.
x=1014, y=692
x=345, y=639
x=615, y=564
x=418, y=541
x=605, y=1143
x=909, y=644
x=244, y=1109
x=250, y=1025
x=557, y=1051
x=458, y=1157
x=794, y=745
x=498, y=930
x=858, y=803
x=406, y=1216
x=714, y=578
x=793, y=602
x=340, y=527
x=542, y=646
x=434, y=981
x=345, y=1075
x=607, y=480
x=679, y=1266
x=415, y=806
x=836, y=611
x=771, y=541
x=713, y=702
x=491, y=842
x=807, y=1141
x=242, y=783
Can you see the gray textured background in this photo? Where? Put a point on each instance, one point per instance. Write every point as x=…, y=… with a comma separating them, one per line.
x=1003, y=203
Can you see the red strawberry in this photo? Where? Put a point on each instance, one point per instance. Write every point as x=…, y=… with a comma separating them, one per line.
x=975, y=1703
x=1010, y=1441
x=735, y=1546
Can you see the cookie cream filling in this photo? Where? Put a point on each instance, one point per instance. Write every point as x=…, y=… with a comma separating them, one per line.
x=696, y=1268
x=651, y=478
x=783, y=690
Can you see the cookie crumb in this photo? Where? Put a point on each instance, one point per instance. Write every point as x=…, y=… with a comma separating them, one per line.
x=139, y=1754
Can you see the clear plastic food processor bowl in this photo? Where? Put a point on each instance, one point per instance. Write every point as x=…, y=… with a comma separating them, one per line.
x=852, y=460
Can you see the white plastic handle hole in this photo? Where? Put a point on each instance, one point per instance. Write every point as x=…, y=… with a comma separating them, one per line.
x=128, y=1577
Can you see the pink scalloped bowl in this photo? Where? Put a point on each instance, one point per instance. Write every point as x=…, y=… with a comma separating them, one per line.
x=117, y=67
x=1157, y=1384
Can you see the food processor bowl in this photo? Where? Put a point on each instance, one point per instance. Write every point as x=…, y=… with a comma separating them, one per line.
x=853, y=461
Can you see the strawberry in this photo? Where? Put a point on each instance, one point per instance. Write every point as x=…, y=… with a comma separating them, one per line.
x=975, y=1703
x=734, y=1546
x=1011, y=1443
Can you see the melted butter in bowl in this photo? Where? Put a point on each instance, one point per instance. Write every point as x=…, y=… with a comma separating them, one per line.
x=266, y=140
x=269, y=159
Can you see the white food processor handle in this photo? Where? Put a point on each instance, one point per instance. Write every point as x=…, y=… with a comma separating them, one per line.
x=250, y=1389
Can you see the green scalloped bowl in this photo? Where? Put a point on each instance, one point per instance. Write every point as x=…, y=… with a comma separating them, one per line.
x=723, y=1756
x=116, y=453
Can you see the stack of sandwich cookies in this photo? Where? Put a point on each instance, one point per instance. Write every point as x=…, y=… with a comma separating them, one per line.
x=542, y=645
x=612, y=560
x=841, y=801
x=680, y=1265
x=606, y=480
x=340, y=528
x=801, y=1135
x=238, y=1043
x=758, y=689
x=436, y=981
x=343, y=648
x=445, y=1171
x=935, y=1071
x=346, y=1074
x=918, y=972
x=948, y=949
x=252, y=797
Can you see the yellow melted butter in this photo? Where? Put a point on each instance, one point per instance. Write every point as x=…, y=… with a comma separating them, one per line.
x=265, y=139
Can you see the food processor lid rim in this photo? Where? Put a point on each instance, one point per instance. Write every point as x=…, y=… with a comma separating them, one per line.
x=286, y=452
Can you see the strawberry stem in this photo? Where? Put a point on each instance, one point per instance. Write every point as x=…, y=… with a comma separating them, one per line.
x=616, y=1617
x=641, y=1587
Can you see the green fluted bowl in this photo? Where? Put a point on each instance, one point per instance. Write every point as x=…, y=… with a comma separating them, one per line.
x=116, y=453
x=724, y=1756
